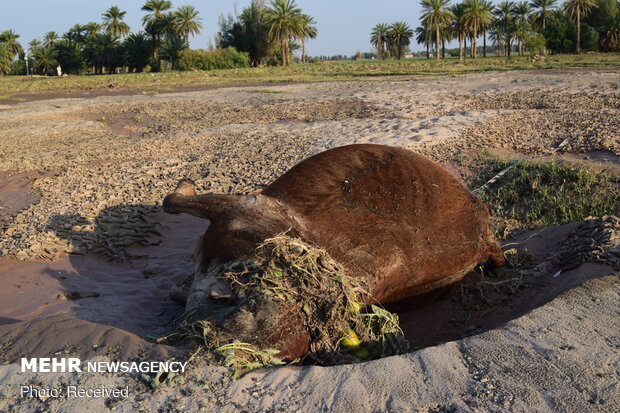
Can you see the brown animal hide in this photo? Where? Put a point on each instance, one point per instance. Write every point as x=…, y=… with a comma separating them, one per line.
x=386, y=214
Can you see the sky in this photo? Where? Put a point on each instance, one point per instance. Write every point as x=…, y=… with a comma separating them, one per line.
x=344, y=25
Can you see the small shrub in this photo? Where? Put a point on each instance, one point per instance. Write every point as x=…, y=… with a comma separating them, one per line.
x=227, y=58
x=535, y=42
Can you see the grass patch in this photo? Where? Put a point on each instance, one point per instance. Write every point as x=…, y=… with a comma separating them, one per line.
x=534, y=194
x=307, y=72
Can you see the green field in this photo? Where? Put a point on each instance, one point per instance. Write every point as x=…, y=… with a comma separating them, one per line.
x=11, y=87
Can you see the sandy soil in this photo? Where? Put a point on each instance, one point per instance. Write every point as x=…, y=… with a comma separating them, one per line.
x=87, y=260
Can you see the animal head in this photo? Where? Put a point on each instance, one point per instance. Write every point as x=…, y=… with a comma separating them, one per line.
x=238, y=224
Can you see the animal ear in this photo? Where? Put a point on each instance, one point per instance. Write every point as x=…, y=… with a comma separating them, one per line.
x=208, y=206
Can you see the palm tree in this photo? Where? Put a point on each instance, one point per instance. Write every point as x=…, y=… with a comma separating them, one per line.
x=576, y=9
x=285, y=21
x=309, y=31
x=186, y=22
x=487, y=4
x=69, y=56
x=505, y=20
x=45, y=60
x=75, y=35
x=9, y=37
x=521, y=12
x=34, y=45
x=497, y=37
x=541, y=11
x=113, y=22
x=400, y=34
x=293, y=46
x=155, y=23
x=436, y=16
x=476, y=16
x=50, y=39
x=137, y=49
x=379, y=38
x=425, y=37
x=248, y=33
x=447, y=35
x=103, y=52
x=91, y=31
x=458, y=25
x=611, y=37
x=171, y=49
x=5, y=61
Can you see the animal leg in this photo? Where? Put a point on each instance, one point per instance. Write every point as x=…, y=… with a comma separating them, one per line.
x=208, y=206
x=496, y=255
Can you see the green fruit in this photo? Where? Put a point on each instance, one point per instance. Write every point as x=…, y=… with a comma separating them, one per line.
x=354, y=307
x=350, y=341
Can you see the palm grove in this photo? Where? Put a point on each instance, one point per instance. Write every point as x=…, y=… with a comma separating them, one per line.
x=261, y=34
x=538, y=25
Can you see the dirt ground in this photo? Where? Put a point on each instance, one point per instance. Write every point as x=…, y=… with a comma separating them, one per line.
x=87, y=259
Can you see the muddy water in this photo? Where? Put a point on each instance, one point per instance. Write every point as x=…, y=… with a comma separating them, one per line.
x=15, y=193
x=118, y=302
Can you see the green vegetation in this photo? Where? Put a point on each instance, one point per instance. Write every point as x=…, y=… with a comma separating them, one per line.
x=391, y=40
x=291, y=271
x=592, y=25
x=227, y=58
x=378, y=70
x=304, y=276
x=576, y=9
x=536, y=194
x=243, y=357
x=267, y=33
x=436, y=16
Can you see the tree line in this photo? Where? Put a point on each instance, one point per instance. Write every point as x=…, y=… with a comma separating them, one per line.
x=538, y=25
x=261, y=34
x=268, y=34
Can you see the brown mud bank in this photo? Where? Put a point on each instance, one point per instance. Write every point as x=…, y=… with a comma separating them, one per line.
x=91, y=305
x=113, y=91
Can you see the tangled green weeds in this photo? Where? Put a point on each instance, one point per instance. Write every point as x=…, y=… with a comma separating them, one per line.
x=329, y=300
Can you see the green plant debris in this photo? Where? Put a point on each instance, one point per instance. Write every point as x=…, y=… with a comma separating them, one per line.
x=163, y=378
x=245, y=357
x=328, y=298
